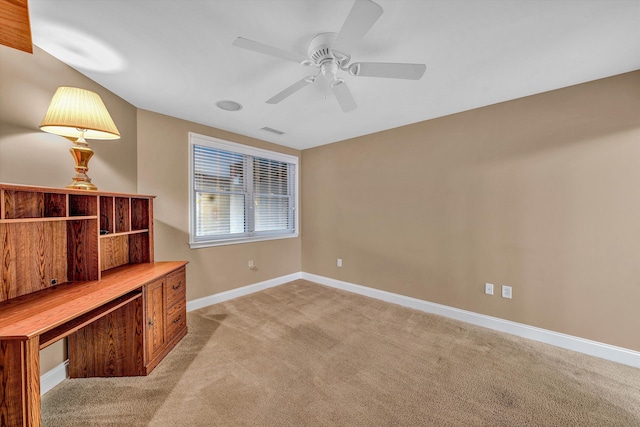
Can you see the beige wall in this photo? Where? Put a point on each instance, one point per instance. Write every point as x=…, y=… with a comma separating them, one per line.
x=30, y=156
x=540, y=193
x=163, y=171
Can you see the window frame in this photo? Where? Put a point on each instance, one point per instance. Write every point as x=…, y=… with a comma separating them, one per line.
x=234, y=147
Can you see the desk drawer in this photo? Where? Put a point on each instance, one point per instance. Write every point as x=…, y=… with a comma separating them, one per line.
x=176, y=287
x=176, y=319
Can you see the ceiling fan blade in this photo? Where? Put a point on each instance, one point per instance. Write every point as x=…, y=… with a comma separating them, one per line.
x=344, y=97
x=291, y=90
x=363, y=15
x=388, y=70
x=268, y=50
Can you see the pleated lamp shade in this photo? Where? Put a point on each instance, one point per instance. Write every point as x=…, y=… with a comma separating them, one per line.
x=73, y=110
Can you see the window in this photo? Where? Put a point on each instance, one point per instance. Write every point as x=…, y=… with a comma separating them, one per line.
x=240, y=193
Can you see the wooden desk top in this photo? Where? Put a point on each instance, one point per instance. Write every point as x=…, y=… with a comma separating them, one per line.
x=36, y=313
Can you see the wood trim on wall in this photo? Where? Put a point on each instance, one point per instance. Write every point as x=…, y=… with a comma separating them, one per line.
x=15, y=28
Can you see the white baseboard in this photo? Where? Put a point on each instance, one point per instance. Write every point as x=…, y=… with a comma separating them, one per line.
x=581, y=345
x=239, y=292
x=604, y=351
x=52, y=378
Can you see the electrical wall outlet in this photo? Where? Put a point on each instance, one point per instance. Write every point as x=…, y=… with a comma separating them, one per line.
x=252, y=266
x=339, y=262
x=488, y=288
x=506, y=291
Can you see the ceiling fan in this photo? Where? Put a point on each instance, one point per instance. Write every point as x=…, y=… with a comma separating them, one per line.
x=330, y=53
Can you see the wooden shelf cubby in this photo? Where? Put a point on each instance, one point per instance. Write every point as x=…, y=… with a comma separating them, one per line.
x=82, y=205
x=50, y=236
x=17, y=204
x=125, y=232
x=106, y=215
x=122, y=215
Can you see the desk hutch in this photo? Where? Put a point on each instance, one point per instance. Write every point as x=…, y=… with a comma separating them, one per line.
x=79, y=264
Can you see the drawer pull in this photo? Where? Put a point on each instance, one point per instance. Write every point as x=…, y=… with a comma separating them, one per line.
x=177, y=319
x=151, y=322
x=176, y=287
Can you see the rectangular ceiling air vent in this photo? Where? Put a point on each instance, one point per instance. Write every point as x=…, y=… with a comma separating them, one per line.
x=268, y=129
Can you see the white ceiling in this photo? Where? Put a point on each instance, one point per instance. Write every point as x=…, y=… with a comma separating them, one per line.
x=175, y=56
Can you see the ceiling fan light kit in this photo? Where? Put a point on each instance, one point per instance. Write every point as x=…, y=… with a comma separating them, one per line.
x=330, y=53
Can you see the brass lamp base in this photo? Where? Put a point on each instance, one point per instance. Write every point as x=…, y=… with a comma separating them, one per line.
x=81, y=153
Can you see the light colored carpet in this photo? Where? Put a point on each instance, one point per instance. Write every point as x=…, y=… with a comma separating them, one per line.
x=303, y=354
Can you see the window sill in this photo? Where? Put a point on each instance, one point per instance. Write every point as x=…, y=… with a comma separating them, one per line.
x=209, y=243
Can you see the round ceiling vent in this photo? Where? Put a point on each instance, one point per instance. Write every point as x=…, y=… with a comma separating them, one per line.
x=229, y=105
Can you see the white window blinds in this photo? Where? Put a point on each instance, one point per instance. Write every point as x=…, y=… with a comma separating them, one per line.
x=240, y=193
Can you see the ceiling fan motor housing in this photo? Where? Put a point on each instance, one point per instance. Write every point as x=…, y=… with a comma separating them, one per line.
x=320, y=50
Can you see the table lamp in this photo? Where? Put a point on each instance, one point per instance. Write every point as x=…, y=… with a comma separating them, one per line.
x=79, y=113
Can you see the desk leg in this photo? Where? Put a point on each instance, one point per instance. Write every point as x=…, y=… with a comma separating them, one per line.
x=20, y=382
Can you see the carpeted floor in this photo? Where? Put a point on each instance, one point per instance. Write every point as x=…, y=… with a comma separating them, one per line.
x=303, y=354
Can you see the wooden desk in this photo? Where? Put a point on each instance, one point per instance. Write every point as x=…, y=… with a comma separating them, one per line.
x=121, y=325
